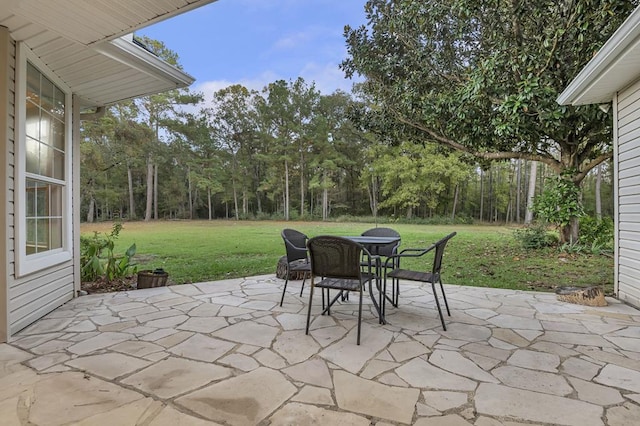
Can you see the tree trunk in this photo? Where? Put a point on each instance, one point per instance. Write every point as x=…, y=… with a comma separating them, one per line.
x=147, y=212
x=190, y=190
x=518, y=188
x=569, y=234
x=92, y=209
x=325, y=197
x=528, y=216
x=209, y=203
x=373, y=197
x=235, y=198
x=286, y=190
x=455, y=202
x=245, y=203
x=481, y=193
x=132, y=205
x=301, y=185
x=598, y=195
x=155, y=191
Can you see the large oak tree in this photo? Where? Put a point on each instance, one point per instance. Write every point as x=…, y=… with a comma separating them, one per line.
x=482, y=76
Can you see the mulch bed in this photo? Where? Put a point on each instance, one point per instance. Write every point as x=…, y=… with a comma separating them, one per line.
x=104, y=286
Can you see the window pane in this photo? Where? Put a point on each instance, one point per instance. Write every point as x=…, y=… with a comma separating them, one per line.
x=42, y=208
x=33, y=84
x=42, y=235
x=33, y=156
x=58, y=165
x=46, y=160
x=58, y=109
x=55, y=200
x=55, y=226
x=46, y=132
x=31, y=236
x=46, y=94
x=31, y=199
x=57, y=134
x=33, y=120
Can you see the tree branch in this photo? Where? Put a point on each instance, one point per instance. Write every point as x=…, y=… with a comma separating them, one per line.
x=591, y=165
x=553, y=163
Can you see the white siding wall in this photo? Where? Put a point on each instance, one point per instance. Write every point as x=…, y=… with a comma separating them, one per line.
x=32, y=296
x=7, y=72
x=628, y=255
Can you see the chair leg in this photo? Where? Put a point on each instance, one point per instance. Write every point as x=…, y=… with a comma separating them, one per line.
x=309, y=309
x=304, y=278
x=359, y=316
x=284, y=290
x=435, y=296
x=396, y=292
x=444, y=296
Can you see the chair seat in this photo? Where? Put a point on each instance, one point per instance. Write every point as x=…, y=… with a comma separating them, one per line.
x=405, y=274
x=344, y=283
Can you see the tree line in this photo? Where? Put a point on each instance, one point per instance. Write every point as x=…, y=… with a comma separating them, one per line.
x=289, y=152
x=455, y=118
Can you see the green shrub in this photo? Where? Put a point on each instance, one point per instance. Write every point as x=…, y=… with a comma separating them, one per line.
x=535, y=236
x=597, y=233
x=98, y=260
x=596, y=236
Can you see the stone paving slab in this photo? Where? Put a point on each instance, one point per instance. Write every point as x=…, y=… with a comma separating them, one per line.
x=226, y=353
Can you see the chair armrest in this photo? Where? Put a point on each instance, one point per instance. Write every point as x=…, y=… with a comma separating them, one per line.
x=408, y=252
x=369, y=260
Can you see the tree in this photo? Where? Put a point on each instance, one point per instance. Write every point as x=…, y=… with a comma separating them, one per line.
x=482, y=77
x=414, y=175
x=233, y=123
x=286, y=112
x=158, y=110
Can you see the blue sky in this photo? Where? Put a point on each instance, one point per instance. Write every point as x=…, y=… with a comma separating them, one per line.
x=255, y=42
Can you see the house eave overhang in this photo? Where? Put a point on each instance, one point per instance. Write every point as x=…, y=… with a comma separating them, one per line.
x=613, y=68
x=125, y=51
x=89, y=45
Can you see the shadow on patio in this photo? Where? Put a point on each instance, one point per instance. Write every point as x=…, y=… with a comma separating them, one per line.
x=224, y=352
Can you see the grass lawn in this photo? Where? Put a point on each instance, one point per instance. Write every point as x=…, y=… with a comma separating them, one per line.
x=487, y=256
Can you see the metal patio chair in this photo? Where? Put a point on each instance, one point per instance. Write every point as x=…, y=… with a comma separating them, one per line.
x=432, y=277
x=295, y=243
x=335, y=264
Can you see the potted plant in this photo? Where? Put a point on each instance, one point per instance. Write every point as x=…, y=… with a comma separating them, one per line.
x=152, y=278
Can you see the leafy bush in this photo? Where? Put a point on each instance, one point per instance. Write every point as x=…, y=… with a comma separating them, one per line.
x=97, y=259
x=597, y=232
x=559, y=203
x=535, y=236
x=596, y=236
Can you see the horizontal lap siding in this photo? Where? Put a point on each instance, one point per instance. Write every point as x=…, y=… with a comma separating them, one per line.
x=33, y=296
x=629, y=195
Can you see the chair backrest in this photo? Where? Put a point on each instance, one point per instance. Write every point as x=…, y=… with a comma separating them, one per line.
x=334, y=257
x=440, y=245
x=389, y=249
x=295, y=243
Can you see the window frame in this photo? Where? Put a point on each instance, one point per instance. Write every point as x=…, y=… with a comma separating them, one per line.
x=30, y=263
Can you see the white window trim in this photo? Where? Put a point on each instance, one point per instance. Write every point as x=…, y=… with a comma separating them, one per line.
x=36, y=262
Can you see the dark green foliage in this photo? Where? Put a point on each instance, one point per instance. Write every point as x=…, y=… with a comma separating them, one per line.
x=97, y=258
x=596, y=234
x=559, y=203
x=535, y=236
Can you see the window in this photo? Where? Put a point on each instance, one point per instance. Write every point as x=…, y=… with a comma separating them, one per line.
x=42, y=181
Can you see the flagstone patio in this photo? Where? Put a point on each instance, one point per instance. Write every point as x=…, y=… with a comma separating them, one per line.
x=225, y=353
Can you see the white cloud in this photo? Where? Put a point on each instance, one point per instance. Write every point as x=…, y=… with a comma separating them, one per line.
x=208, y=88
x=328, y=77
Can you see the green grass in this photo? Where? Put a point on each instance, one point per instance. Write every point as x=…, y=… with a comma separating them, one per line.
x=486, y=256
